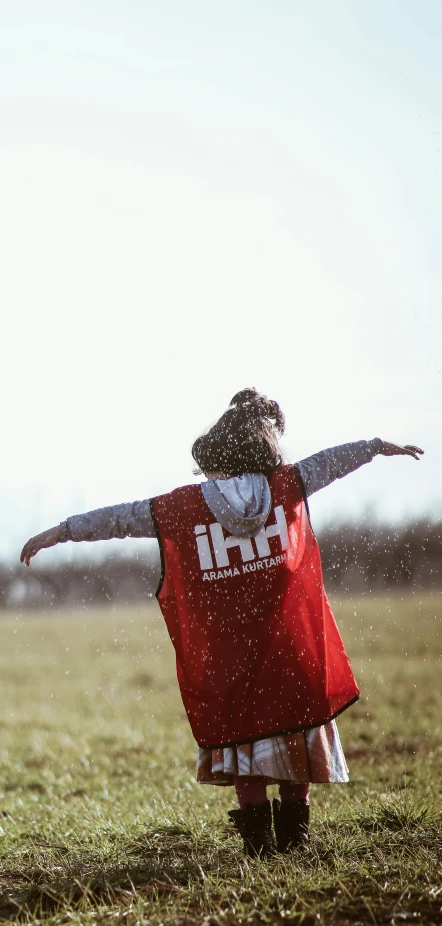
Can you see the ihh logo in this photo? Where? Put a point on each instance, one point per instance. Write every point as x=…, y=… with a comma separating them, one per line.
x=222, y=544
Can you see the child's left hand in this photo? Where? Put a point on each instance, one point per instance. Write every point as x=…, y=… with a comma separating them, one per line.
x=47, y=539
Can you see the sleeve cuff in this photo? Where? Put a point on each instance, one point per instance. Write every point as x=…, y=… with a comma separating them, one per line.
x=64, y=532
x=377, y=445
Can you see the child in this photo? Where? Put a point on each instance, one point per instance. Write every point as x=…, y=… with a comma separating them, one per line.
x=261, y=665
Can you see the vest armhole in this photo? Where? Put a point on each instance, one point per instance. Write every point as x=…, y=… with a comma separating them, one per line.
x=304, y=494
x=158, y=537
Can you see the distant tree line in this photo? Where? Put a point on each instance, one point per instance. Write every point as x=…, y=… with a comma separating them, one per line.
x=354, y=557
x=115, y=580
x=368, y=557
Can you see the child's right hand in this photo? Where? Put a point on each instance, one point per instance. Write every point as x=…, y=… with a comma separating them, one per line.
x=47, y=539
x=394, y=450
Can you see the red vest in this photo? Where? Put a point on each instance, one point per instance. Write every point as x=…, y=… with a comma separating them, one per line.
x=257, y=647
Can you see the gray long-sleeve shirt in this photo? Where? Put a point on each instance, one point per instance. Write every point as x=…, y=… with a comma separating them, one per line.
x=134, y=519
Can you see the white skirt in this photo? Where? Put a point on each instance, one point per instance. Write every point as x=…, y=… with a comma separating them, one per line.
x=307, y=756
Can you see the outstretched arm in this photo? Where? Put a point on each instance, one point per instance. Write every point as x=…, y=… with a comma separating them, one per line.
x=132, y=519
x=319, y=470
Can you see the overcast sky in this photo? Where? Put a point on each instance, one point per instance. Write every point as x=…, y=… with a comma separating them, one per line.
x=200, y=196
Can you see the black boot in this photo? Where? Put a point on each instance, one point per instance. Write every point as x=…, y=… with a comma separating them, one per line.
x=291, y=824
x=254, y=824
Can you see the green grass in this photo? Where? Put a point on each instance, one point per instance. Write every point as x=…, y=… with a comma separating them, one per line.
x=101, y=820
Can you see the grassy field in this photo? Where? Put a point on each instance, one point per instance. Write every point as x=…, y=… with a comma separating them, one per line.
x=101, y=820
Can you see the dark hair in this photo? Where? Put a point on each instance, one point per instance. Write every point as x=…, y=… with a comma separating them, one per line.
x=244, y=440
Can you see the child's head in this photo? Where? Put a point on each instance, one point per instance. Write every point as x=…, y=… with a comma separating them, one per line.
x=244, y=440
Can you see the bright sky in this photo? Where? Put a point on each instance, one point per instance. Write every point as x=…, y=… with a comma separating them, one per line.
x=200, y=196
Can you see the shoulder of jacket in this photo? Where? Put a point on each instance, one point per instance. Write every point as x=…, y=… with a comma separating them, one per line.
x=184, y=493
x=287, y=471
x=288, y=478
